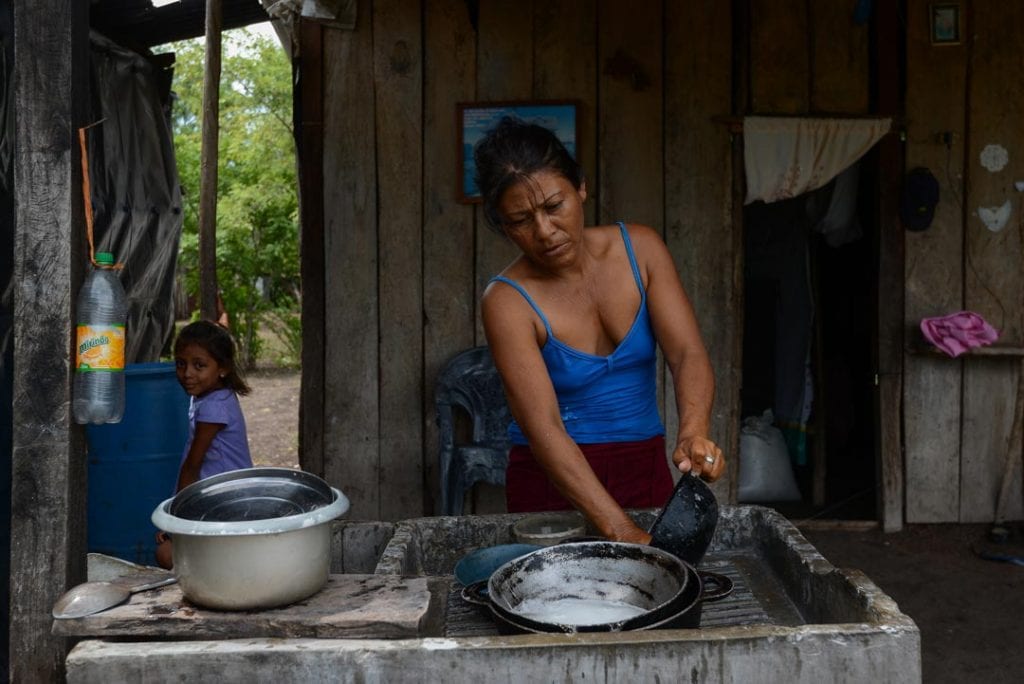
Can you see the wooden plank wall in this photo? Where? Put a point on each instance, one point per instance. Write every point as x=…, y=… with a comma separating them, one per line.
x=698, y=202
x=808, y=57
x=650, y=78
x=780, y=57
x=351, y=443
x=933, y=272
x=398, y=73
x=47, y=459
x=449, y=276
x=958, y=413
x=994, y=258
x=406, y=263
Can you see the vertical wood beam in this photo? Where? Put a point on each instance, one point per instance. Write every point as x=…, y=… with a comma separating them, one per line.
x=398, y=75
x=449, y=76
x=888, y=46
x=48, y=535
x=699, y=223
x=308, y=111
x=208, y=165
x=351, y=343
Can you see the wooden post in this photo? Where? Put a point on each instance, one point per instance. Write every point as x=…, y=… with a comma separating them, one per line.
x=891, y=257
x=309, y=131
x=208, y=166
x=47, y=457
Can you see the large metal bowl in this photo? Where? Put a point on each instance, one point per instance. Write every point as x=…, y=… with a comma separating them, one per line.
x=252, y=494
x=252, y=538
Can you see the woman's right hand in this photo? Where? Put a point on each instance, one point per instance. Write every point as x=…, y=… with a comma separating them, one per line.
x=700, y=456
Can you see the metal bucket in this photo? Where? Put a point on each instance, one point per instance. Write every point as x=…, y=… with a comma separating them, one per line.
x=252, y=538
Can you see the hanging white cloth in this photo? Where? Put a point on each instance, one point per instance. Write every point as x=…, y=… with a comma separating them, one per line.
x=788, y=156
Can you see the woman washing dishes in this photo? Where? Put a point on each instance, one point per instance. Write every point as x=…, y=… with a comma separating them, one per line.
x=573, y=324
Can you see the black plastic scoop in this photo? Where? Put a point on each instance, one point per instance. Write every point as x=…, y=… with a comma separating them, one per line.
x=687, y=522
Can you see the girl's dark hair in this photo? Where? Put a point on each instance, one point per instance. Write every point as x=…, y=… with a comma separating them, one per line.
x=512, y=151
x=217, y=341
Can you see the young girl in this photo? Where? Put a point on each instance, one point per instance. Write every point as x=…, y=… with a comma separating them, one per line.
x=204, y=356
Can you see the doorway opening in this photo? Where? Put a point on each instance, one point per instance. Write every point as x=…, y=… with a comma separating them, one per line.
x=257, y=231
x=810, y=312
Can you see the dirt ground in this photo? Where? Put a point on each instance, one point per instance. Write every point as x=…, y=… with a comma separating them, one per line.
x=970, y=611
x=272, y=417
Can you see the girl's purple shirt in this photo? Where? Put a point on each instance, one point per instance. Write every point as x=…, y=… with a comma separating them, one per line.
x=230, y=447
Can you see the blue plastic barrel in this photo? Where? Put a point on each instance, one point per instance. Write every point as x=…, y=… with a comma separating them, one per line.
x=133, y=465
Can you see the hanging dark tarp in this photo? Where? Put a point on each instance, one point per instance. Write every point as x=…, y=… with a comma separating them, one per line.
x=136, y=195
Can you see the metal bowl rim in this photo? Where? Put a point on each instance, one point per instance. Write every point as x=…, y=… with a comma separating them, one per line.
x=212, y=486
x=164, y=520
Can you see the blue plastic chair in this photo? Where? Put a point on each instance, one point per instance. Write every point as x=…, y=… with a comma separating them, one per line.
x=471, y=382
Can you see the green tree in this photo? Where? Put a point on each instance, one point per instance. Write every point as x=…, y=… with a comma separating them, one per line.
x=257, y=203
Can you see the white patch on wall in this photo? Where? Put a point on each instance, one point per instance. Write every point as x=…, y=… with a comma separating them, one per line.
x=994, y=157
x=995, y=218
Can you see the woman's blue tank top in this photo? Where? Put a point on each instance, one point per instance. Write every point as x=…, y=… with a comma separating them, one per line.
x=603, y=398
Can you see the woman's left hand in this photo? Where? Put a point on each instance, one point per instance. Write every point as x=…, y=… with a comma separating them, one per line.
x=700, y=456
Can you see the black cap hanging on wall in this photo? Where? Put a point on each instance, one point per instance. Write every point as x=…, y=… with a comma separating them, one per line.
x=918, y=199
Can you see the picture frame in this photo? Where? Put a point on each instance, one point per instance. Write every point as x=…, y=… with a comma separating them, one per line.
x=945, y=23
x=475, y=119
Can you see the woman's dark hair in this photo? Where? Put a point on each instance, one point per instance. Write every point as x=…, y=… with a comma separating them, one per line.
x=217, y=342
x=512, y=151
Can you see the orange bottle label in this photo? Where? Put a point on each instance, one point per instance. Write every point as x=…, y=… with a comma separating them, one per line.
x=100, y=348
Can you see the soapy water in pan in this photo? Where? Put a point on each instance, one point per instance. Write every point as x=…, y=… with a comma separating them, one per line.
x=577, y=611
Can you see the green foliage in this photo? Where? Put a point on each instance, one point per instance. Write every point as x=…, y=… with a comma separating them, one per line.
x=257, y=205
x=286, y=324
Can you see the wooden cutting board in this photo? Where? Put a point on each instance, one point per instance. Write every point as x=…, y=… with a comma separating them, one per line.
x=349, y=606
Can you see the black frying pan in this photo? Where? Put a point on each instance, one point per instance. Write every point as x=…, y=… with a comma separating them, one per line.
x=687, y=522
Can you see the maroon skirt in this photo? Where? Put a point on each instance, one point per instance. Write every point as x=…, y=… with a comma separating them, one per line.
x=636, y=474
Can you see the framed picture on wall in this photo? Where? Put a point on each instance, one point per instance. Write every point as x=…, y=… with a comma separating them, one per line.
x=476, y=118
x=944, y=23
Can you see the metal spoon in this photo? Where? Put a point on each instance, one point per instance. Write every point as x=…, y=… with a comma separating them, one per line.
x=95, y=597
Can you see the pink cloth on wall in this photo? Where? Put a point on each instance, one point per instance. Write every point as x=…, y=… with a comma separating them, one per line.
x=958, y=332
